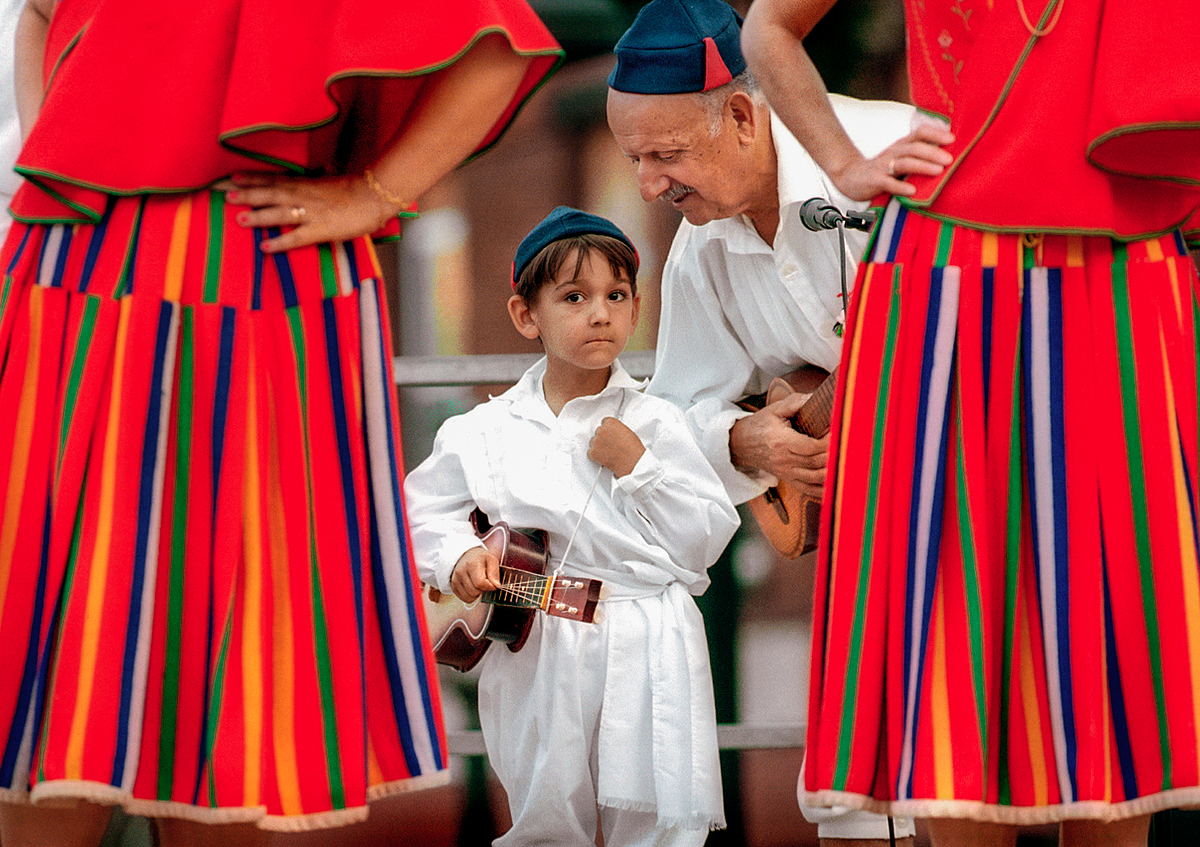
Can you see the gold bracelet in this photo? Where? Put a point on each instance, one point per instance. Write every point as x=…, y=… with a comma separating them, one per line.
x=381, y=192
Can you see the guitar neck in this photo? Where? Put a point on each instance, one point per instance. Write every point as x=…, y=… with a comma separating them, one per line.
x=520, y=589
x=813, y=417
x=564, y=597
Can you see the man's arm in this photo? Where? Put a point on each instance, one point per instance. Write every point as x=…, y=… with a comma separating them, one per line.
x=703, y=368
x=700, y=366
x=767, y=441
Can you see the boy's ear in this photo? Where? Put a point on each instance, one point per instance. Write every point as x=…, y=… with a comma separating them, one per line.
x=522, y=317
x=637, y=302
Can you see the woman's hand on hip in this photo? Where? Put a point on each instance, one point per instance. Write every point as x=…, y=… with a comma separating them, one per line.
x=310, y=211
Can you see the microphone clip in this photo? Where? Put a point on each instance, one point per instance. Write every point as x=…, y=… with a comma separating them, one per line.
x=818, y=214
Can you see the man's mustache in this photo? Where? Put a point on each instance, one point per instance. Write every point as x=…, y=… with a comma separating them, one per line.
x=677, y=189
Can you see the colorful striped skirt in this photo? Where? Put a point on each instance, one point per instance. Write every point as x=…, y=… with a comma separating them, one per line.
x=209, y=608
x=1007, y=622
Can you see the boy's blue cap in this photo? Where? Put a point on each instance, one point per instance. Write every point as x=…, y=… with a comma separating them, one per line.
x=679, y=47
x=564, y=222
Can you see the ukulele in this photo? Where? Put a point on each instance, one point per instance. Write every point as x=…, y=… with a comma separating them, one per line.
x=462, y=633
x=788, y=518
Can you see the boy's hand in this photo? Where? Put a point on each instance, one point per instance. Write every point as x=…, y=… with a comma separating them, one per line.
x=615, y=446
x=476, y=571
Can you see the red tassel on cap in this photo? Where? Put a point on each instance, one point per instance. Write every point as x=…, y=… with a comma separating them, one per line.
x=716, y=73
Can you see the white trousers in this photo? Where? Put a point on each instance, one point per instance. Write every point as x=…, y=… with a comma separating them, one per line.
x=540, y=711
x=622, y=828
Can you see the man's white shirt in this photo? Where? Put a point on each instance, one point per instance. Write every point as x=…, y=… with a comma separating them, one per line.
x=737, y=312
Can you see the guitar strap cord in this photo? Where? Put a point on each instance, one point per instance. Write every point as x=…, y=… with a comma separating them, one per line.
x=840, y=326
x=591, y=491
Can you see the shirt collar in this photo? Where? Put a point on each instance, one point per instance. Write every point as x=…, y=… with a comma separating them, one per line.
x=529, y=401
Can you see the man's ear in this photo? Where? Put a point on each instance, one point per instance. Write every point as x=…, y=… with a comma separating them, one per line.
x=522, y=317
x=741, y=107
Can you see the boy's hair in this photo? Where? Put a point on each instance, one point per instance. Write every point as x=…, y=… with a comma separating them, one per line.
x=544, y=267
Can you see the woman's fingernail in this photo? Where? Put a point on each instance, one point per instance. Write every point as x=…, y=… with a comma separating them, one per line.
x=243, y=218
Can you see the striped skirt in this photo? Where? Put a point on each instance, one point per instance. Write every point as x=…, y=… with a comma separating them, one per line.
x=1007, y=622
x=209, y=609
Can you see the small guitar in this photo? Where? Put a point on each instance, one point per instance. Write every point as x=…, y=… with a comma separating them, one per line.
x=787, y=518
x=461, y=634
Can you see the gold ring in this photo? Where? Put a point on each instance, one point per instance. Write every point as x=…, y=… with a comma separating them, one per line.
x=297, y=212
x=892, y=168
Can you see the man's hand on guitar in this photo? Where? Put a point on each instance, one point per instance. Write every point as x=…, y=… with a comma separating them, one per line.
x=475, y=572
x=767, y=441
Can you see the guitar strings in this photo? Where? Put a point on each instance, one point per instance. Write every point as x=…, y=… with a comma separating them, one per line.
x=591, y=491
x=521, y=585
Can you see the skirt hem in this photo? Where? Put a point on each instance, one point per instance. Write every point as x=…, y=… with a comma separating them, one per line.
x=1174, y=798
x=50, y=793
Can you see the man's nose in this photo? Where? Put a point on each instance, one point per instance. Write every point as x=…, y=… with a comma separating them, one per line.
x=651, y=181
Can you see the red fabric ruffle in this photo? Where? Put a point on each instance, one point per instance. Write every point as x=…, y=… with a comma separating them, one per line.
x=1042, y=124
x=1145, y=111
x=146, y=96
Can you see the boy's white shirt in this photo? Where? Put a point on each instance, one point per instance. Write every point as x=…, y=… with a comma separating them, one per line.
x=666, y=521
x=650, y=536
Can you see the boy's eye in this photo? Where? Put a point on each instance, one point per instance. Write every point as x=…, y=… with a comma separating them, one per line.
x=617, y=295
x=574, y=297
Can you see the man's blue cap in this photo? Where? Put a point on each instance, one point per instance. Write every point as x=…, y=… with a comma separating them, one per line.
x=564, y=222
x=679, y=47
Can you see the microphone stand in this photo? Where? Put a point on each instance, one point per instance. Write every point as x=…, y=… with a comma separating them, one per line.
x=817, y=214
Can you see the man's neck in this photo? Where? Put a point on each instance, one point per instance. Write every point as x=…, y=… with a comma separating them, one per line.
x=766, y=224
x=763, y=212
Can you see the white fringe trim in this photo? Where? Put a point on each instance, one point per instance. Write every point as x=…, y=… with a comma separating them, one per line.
x=1175, y=798
x=66, y=792
x=696, y=821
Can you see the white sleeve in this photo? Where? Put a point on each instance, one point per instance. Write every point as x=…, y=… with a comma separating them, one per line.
x=701, y=367
x=673, y=496
x=438, y=501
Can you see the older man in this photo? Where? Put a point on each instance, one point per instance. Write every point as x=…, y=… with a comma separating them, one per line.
x=749, y=292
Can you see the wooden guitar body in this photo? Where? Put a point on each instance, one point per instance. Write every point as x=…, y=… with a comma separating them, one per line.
x=461, y=634
x=789, y=519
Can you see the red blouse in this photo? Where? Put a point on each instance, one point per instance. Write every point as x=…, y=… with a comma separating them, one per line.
x=152, y=96
x=1069, y=115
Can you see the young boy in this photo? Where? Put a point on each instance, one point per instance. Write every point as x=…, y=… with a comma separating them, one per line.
x=608, y=722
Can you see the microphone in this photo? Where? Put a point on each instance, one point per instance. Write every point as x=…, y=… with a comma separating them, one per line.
x=817, y=214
